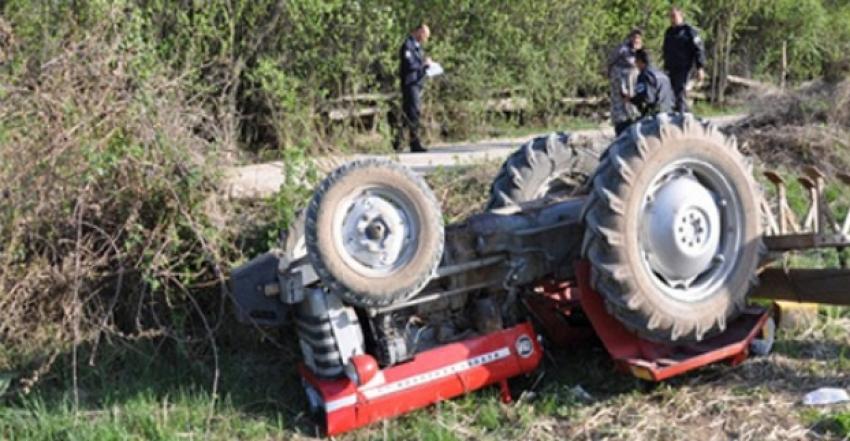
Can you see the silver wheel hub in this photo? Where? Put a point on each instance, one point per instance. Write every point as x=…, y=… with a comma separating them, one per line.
x=374, y=231
x=690, y=230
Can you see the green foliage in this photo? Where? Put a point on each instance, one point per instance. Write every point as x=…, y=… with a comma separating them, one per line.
x=109, y=191
x=138, y=396
x=301, y=176
x=836, y=425
x=802, y=24
x=284, y=97
x=276, y=64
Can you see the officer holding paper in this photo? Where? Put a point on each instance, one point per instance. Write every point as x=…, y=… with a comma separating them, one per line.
x=413, y=69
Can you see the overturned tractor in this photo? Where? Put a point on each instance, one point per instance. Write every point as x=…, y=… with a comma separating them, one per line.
x=654, y=245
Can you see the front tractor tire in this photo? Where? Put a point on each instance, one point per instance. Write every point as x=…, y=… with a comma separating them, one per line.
x=673, y=229
x=374, y=232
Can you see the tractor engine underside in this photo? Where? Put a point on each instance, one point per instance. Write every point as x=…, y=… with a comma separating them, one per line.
x=488, y=262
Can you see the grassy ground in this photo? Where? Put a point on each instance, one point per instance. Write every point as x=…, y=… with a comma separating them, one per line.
x=138, y=390
x=706, y=109
x=463, y=191
x=576, y=394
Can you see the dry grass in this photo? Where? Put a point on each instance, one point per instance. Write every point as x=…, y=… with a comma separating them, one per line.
x=107, y=216
x=757, y=401
x=810, y=125
x=7, y=41
x=463, y=191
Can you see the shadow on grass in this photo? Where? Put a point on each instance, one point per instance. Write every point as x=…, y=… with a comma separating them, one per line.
x=811, y=364
x=163, y=390
x=830, y=351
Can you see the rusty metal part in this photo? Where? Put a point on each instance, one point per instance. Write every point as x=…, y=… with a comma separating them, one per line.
x=787, y=219
x=820, y=227
x=827, y=286
x=804, y=241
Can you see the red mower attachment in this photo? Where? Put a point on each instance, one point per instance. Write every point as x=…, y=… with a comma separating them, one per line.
x=434, y=375
x=656, y=361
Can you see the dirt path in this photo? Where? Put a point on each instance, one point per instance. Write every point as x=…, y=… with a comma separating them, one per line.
x=262, y=180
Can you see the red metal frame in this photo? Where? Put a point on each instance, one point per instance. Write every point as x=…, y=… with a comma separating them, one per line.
x=458, y=368
x=434, y=375
x=552, y=307
x=656, y=361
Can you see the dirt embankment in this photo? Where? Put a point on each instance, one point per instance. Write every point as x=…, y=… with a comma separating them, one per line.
x=806, y=126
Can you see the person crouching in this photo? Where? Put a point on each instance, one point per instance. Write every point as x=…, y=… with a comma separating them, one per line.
x=653, y=93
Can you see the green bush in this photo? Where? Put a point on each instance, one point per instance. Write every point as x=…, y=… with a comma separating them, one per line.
x=265, y=68
x=108, y=221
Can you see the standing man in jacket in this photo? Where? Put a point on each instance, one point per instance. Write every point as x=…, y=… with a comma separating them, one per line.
x=683, y=51
x=413, y=65
x=622, y=74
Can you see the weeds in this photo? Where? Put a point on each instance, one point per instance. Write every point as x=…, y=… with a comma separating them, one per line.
x=463, y=191
x=808, y=126
x=109, y=195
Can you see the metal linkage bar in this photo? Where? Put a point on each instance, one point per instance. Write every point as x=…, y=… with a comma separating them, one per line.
x=432, y=297
x=451, y=270
x=827, y=286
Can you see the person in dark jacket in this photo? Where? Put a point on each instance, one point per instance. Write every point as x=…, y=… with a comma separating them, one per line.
x=653, y=93
x=683, y=51
x=413, y=65
x=622, y=75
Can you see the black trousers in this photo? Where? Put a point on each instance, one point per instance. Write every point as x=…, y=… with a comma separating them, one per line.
x=411, y=105
x=621, y=127
x=679, y=81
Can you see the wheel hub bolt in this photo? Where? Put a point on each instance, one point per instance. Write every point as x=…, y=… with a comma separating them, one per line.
x=376, y=231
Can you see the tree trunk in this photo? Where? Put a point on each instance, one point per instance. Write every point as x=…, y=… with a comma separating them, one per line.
x=730, y=28
x=715, y=64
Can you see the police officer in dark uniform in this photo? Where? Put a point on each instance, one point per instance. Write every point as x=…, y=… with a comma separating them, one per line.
x=412, y=69
x=653, y=93
x=683, y=50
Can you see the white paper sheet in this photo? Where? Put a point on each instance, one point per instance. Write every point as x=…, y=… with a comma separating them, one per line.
x=434, y=69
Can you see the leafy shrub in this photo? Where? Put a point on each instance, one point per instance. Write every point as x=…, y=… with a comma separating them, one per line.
x=109, y=219
x=264, y=68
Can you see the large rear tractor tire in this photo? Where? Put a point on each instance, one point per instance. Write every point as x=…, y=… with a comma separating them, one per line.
x=547, y=166
x=673, y=229
x=374, y=232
